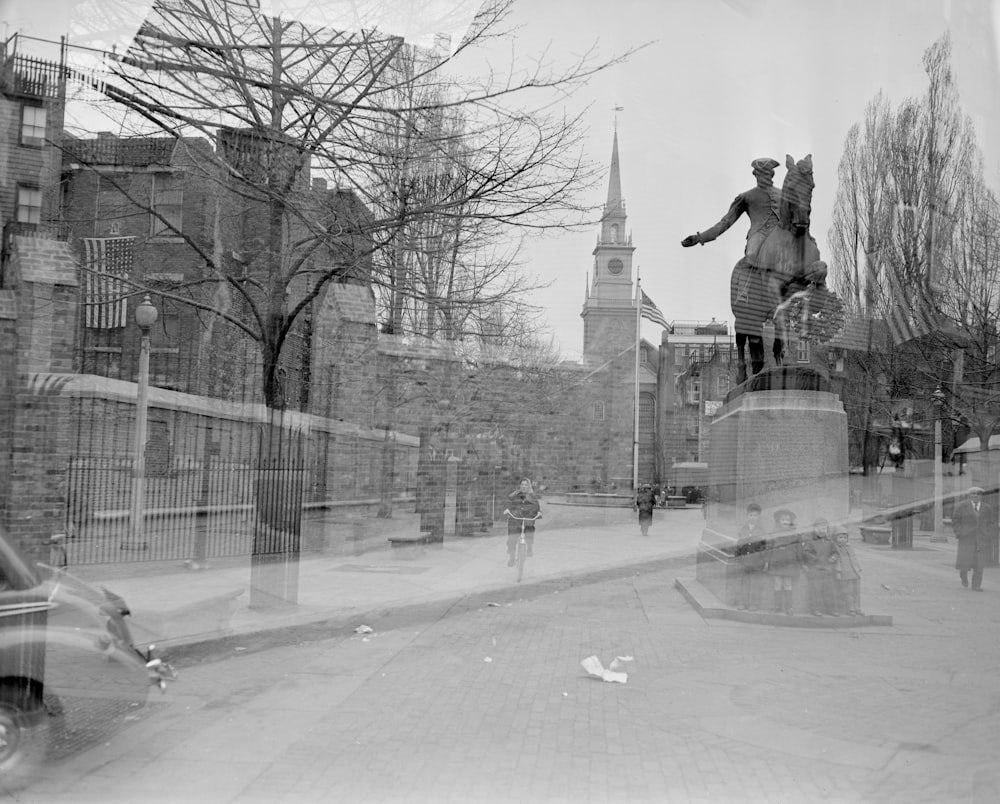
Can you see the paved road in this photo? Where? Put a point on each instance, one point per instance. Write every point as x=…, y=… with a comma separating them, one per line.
x=481, y=703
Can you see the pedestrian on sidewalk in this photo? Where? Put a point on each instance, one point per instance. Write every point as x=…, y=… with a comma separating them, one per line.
x=644, y=502
x=784, y=559
x=819, y=555
x=524, y=505
x=846, y=576
x=751, y=552
x=975, y=524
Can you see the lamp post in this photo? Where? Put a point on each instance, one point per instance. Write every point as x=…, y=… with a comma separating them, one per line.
x=938, y=402
x=145, y=317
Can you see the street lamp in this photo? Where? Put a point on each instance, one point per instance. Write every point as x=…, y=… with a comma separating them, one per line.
x=938, y=401
x=145, y=317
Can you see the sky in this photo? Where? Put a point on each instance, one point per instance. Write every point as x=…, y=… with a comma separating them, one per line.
x=720, y=83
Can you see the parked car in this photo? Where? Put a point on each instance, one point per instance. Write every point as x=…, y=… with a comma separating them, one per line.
x=65, y=651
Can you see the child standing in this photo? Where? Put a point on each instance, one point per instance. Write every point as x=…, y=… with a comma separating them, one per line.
x=820, y=556
x=784, y=560
x=847, y=577
x=751, y=545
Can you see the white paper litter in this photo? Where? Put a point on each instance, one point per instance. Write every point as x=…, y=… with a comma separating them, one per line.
x=487, y=659
x=593, y=666
x=363, y=629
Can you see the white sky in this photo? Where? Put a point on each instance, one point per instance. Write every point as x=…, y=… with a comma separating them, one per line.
x=723, y=82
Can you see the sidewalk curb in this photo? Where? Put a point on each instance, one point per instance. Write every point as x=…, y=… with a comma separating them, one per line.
x=214, y=647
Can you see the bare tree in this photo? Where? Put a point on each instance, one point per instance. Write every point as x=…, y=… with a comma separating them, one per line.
x=909, y=199
x=283, y=101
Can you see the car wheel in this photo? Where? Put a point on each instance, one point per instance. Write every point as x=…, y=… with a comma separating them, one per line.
x=23, y=737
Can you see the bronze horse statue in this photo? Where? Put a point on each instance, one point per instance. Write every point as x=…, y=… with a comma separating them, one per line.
x=786, y=264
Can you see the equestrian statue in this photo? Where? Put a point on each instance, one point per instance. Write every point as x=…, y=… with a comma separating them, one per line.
x=781, y=277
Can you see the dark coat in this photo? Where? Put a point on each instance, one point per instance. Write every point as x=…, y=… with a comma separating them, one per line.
x=847, y=567
x=819, y=554
x=645, y=500
x=524, y=506
x=975, y=533
x=751, y=548
x=784, y=557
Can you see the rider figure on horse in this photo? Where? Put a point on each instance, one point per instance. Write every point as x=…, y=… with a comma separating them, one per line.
x=781, y=270
x=749, y=290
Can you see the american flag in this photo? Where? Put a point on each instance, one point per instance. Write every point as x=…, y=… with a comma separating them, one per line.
x=651, y=312
x=105, y=299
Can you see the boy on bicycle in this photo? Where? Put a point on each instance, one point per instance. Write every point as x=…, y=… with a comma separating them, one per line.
x=523, y=505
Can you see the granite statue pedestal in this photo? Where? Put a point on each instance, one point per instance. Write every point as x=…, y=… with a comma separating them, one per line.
x=780, y=441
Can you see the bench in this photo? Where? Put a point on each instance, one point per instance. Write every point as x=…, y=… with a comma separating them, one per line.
x=676, y=501
x=411, y=545
x=410, y=539
x=876, y=534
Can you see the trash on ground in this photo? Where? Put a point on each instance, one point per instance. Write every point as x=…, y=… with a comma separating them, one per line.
x=363, y=629
x=593, y=666
x=494, y=605
x=239, y=648
x=487, y=659
x=616, y=663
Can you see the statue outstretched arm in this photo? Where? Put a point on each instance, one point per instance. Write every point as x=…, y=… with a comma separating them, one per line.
x=737, y=208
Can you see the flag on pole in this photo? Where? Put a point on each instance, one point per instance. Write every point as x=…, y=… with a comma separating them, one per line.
x=651, y=312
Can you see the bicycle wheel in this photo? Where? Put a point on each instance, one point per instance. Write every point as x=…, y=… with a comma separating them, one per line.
x=522, y=556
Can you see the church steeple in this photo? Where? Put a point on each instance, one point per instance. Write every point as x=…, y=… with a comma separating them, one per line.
x=614, y=203
x=609, y=308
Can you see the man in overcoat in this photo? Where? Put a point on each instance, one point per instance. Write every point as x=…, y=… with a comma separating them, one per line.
x=975, y=524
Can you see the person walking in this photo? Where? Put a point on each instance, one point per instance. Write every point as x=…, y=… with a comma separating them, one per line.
x=523, y=505
x=975, y=524
x=645, y=500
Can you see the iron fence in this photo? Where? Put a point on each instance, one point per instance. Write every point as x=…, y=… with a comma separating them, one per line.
x=199, y=513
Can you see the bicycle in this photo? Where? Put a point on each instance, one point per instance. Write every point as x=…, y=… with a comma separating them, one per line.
x=521, y=549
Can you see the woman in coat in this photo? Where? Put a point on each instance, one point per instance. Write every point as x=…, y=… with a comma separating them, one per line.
x=645, y=500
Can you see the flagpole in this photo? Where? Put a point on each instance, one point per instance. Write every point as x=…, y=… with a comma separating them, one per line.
x=635, y=426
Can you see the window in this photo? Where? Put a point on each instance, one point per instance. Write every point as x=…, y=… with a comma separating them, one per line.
x=614, y=232
x=644, y=355
x=802, y=351
x=599, y=411
x=33, y=126
x=113, y=208
x=723, y=384
x=168, y=202
x=29, y=204
x=647, y=412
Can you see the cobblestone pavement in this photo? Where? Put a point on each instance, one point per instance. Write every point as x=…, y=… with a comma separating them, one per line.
x=487, y=703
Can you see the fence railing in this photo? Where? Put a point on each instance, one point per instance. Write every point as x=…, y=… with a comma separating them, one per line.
x=197, y=513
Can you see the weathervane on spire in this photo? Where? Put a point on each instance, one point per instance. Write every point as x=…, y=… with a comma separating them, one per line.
x=617, y=109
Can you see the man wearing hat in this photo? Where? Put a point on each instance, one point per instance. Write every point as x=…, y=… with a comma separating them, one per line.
x=975, y=524
x=751, y=298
